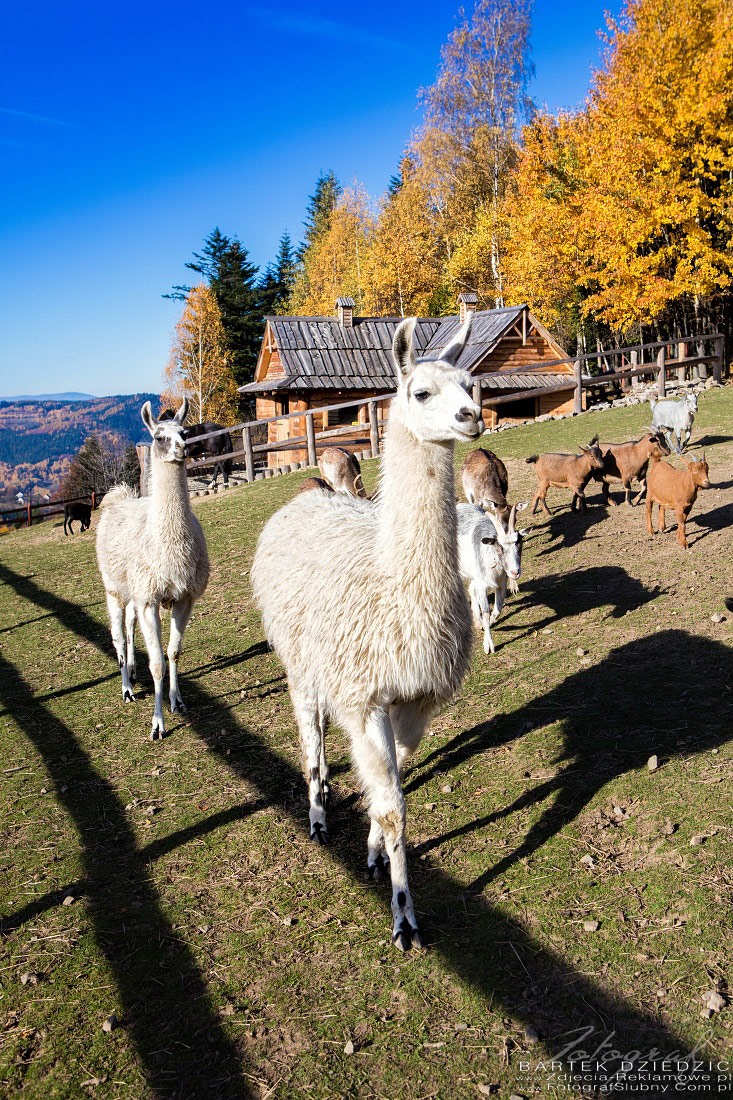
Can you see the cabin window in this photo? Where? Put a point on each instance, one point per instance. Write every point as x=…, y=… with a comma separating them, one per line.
x=524, y=409
x=341, y=417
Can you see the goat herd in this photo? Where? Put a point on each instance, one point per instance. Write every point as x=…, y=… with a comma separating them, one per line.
x=370, y=619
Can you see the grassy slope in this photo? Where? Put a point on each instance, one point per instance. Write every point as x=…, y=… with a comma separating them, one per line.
x=240, y=958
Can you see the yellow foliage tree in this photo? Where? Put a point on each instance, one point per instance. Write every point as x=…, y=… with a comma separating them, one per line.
x=660, y=160
x=199, y=366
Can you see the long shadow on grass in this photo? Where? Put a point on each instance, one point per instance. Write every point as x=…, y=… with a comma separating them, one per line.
x=581, y=590
x=566, y=528
x=179, y=1040
x=487, y=950
x=644, y=699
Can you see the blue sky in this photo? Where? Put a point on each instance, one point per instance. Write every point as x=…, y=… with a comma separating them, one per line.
x=127, y=132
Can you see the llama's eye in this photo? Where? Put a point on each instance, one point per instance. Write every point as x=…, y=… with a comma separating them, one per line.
x=422, y=395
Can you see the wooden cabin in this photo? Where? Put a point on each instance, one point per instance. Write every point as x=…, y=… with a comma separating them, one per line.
x=317, y=362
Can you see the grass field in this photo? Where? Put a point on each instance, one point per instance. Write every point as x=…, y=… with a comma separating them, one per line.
x=172, y=884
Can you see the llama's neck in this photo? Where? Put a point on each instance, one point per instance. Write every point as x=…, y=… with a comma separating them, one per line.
x=170, y=509
x=417, y=508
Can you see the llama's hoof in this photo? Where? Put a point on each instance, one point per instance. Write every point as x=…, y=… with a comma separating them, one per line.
x=407, y=937
x=178, y=707
x=379, y=869
x=157, y=733
x=128, y=696
x=319, y=833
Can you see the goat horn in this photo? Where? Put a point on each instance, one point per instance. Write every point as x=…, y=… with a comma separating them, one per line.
x=512, y=514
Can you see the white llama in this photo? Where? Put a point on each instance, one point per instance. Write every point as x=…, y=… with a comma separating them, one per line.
x=370, y=618
x=152, y=553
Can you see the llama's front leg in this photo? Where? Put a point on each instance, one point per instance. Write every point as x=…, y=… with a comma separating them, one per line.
x=375, y=755
x=149, y=617
x=130, y=635
x=310, y=726
x=180, y=614
x=117, y=624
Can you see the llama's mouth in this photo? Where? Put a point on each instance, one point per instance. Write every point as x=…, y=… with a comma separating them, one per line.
x=478, y=430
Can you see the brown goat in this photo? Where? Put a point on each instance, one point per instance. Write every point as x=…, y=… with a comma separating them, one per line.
x=625, y=461
x=342, y=469
x=314, y=483
x=485, y=481
x=677, y=489
x=566, y=472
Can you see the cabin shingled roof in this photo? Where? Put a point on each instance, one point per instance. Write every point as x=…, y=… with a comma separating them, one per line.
x=321, y=353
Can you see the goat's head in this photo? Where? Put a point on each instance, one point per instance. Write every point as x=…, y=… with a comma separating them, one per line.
x=512, y=542
x=699, y=470
x=691, y=399
x=656, y=444
x=594, y=453
x=169, y=442
x=433, y=395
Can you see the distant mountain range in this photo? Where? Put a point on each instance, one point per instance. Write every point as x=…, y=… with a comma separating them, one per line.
x=40, y=435
x=70, y=396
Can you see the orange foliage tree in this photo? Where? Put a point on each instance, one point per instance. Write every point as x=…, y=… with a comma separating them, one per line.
x=199, y=366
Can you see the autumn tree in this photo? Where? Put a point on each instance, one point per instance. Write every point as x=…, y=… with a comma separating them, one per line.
x=200, y=365
x=660, y=158
x=99, y=464
x=225, y=265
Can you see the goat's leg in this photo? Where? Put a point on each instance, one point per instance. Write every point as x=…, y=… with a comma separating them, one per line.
x=180, y=614
x=117, y=624
x=375, y=755
x=649, y=506
x=540, y=499
x=661, y=519
x=642, y=490
x=310, y=724
x=149, y=616
x=499, y=598
x=130, y=636
x=681, y=533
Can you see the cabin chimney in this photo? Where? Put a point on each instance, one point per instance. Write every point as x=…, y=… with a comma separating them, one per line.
x=345, y=310
x=467, y=302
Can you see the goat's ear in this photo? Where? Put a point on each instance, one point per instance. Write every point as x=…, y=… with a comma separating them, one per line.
x=585, y=447
x=452, y=352
x=593, y=441
x=521, y=505
x=181, y=414
x=403, y=348
x=147, y=416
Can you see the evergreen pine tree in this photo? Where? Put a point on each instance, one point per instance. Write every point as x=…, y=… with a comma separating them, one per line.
x=320, y=208
x=280, y=276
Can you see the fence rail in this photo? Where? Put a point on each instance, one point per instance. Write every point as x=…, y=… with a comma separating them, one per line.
x=46, y=508
x=660, y=364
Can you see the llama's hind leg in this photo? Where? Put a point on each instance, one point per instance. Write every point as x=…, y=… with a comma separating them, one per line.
x=130, y=637
x=180, y=614
x=117, y=624
x=311, y=726
x=149, y=617
x=375, y=755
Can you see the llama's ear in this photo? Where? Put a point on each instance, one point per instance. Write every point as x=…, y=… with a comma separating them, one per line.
x=181, y=414
x=451, y=353
x=403, y=348
x=148, y=419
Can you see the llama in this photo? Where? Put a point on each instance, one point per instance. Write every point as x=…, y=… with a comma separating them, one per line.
x=152, y=553
x=342, y=469
x=370, y=618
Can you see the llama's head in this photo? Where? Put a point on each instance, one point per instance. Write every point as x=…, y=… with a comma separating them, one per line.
x=433, y=396
x=169, y=443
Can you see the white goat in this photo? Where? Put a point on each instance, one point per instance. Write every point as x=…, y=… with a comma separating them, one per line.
x=152, y=553
x=512, y=544
x=481, y=563
x=370, y=618
x=675, y=418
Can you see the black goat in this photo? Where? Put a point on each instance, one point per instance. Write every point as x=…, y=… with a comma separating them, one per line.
x=77, y=510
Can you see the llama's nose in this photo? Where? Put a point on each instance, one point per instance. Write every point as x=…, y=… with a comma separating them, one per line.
x=465, y=414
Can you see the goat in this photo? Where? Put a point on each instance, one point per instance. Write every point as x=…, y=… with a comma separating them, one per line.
x=675, y=418
x=77, y=510
x=485, y=481
x=512, y=542
x=677, y=489
x=207, y=448
x=625, y=461
x=152, y=553
x=342, y=469
x=314, y=483
x=481, y=563
x=565, y=471
x=370, y=618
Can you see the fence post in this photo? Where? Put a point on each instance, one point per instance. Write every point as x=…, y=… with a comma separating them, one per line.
x=681, y=354
x=143, y=455
x=719, y=353
x=578, y=376
x=94, y=499
x=634, y=360
x=662, y=372
x=249, y=458
x=373, y=429
x=28, y=509
x=310, y=432
x=702, y=368
x=477, y=394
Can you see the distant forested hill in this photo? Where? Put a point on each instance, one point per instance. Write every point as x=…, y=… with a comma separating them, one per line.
x=38, y=438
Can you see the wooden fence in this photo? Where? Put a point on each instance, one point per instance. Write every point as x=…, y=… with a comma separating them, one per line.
x=655, y=359
x=44, y=509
